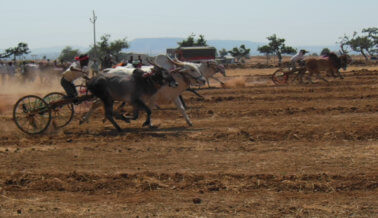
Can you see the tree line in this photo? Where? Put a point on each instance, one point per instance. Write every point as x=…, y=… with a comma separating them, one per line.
x=105, y=48
x=275, y=46
x=365, y=43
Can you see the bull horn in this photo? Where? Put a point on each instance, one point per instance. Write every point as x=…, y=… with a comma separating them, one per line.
x=152, y=62
x=176, y=62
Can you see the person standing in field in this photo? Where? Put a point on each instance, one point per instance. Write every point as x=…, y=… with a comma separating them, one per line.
x=107, y=62
x=24, y=72
x=11, y=70
x=94, y=68
x=3, y=72
x=131, y=59
x=140, y=63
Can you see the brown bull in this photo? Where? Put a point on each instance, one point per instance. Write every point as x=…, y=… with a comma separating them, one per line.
x=331, y=64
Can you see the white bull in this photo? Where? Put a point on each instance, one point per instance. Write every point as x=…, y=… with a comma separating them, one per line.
x=189, y=74
x=128, y=69
x=209, y=69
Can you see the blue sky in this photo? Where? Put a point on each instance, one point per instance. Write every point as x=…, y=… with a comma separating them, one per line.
x=43, y=23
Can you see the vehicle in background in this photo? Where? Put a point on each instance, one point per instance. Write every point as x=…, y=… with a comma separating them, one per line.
x=193, y=54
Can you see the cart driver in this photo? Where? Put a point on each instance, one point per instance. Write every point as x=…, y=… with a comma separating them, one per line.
x=298, y=58
x=78, y=69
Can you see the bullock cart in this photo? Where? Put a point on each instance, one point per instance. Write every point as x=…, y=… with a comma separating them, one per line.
x=33, y=114
x=283, y=76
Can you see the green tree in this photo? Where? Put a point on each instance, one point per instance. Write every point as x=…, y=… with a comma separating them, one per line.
x=68, y=54
x=190, y=41
x=361, y=44
x=278, y=47
x=325, y=51
x=4, y=55
x=21, y=49
x=241, y=52
x=267, y=50
x=223, y=52
x=364, y=43
x=372, y=34
x=343, y=41
x=201, y=41
x=105, y=48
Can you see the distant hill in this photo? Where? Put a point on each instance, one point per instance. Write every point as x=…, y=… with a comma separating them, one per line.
x=155, y=46
x=152, y=46
x=52, y=52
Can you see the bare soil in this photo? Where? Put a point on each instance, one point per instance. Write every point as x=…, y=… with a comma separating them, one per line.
x=255, y=149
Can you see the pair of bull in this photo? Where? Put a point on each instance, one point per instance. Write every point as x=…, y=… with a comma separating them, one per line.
x=331, y=64
x=144, y=88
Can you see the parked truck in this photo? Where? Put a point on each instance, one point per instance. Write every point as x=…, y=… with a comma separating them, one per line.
x=193, y=54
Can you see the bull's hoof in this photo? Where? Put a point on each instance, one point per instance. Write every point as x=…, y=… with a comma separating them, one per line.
x=146, y=124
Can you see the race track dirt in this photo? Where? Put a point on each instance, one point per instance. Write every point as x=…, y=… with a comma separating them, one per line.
x=255, y=149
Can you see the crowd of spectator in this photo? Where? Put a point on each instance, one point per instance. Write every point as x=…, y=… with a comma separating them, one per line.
x=24, y=71
x=28, y=71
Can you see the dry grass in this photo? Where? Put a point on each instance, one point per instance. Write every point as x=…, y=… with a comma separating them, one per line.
x=255, y=150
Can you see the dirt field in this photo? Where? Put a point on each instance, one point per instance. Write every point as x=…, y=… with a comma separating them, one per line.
x=255, y=149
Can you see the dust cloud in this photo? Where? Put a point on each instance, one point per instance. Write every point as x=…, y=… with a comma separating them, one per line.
x=12, y=89
x=238, y=82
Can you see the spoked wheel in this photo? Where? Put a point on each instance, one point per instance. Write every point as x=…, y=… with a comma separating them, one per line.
x=32, y=114
x=62, y=114
x=280, y=77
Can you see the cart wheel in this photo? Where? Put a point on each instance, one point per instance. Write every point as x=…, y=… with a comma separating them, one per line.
x=31, y=114
x=62, y=114
x=279, y=77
